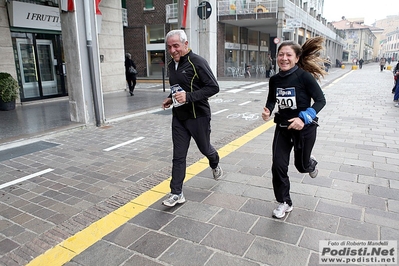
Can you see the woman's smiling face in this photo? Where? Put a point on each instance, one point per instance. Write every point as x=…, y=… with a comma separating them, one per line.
x=286, y=58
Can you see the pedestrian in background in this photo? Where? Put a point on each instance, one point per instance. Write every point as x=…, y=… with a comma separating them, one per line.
x=395, y=76
x=327, y=63
x=338, y=63
x=293, y=89
x=395, y=89
x=194, y=82
x=383, y=61
x=130, y=73
x=268, y=65
x=361, y=61
x=247, y=73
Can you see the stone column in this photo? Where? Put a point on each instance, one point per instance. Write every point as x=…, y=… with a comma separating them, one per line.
x=83, y=77
x=202, y=33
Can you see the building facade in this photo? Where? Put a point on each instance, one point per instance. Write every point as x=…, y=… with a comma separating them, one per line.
x=246, y=31
x=388, y=45
x=390, y=48
x=144, y=36
x=35, y=49
x=359, y=40
x=252, y=30
x=49, y=56
x=32, y=47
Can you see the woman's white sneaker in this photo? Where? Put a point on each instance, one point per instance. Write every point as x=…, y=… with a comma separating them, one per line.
x=315, y=172
x=280, y=211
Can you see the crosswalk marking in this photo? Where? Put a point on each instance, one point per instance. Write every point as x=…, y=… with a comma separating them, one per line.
x=25, y=178
x=123, y=144
x=221, y=111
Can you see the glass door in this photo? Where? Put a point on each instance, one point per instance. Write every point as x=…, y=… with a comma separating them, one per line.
x=29, y=75
x=28, y=68
x=46, y=65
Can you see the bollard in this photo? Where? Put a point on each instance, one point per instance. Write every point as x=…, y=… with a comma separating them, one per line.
x=389, y=67
x=163, y=78
x=342, y=66
x=354, y=67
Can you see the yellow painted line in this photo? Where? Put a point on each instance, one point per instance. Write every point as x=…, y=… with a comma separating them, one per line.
x=76, y=244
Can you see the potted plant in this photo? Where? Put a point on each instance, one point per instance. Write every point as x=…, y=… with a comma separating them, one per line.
x=9, y=91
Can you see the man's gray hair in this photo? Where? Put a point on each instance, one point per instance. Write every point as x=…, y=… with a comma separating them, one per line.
x=128, y=55
x=181, y=33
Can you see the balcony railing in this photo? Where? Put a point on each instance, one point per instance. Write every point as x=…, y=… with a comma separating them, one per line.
x=241, y=8
x=54, y=3
x=226, y=8
x=171, y=13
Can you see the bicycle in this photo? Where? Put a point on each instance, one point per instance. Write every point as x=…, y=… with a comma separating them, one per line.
x=272, y=72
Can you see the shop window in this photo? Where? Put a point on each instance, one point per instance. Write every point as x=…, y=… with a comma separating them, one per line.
x=232, y=34
x=244, y=35
x=263, y=39
x=157, y=63
x=231, y=63
x=253, y=55
x=252, y=37
x=156, y=34
x=149, y=5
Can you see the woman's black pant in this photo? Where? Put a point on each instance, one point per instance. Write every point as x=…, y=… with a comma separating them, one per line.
x=284, y=140
x=131, y=81
x=182, y=131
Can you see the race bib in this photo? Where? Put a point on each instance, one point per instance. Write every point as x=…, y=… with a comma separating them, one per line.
x=173, y=89
x=286, y=98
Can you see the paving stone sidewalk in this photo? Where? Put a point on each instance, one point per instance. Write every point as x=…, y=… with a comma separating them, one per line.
x=225, y=222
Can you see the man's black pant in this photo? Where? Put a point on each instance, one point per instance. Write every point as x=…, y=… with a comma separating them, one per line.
x=284, y=139
x=182, y=131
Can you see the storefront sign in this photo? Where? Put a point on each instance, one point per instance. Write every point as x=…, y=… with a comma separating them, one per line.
x=25, y=15
x=253, y=47
x=229, y=45
x=293, y=23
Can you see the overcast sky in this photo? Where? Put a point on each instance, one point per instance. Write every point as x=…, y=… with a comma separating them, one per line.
x=376, y=10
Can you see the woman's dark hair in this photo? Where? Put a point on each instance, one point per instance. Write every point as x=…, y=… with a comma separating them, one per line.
x=309, y=55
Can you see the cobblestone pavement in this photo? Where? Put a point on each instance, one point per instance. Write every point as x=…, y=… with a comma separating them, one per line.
x=71, y=180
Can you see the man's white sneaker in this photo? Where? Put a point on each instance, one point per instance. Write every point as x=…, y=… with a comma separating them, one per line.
x=280, y=211
x=173, y=199
x=217, y=172
x=315, y=172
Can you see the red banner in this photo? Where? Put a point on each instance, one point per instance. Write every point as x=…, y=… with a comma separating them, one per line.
x=98, y=12
x=67, y=5
x=184, y=17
